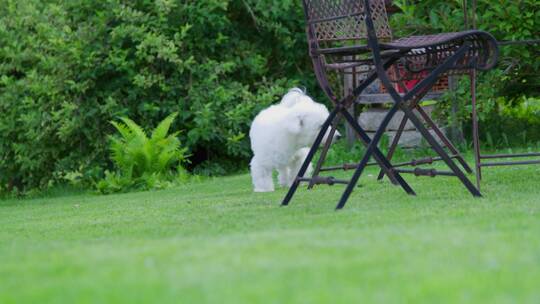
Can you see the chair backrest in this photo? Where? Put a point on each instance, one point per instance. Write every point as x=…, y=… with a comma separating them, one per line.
x=341, y=20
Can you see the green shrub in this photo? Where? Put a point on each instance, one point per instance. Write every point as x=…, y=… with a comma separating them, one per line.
x=512, y=122
x=518, y=66
x=144, y=162
x=504, y=120
x=67, y=68
x=506, y=20
x=516, y=75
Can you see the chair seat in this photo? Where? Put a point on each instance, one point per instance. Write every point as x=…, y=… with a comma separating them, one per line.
x=431, y=40
x=429, y=51
x=421, y=53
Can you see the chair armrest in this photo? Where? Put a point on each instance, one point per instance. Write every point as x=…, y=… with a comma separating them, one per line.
x=354, y=50
x=345, y=50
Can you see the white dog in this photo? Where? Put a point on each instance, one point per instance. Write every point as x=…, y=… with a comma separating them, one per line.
x=281, y=136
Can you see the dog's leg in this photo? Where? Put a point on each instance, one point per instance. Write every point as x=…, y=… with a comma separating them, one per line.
x=261, y=177
x=296, y=163
x=284, y=176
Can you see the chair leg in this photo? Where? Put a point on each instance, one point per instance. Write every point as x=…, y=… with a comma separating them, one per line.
x=309, y=157
x=444, y=139
x=401, y=128
x=393, y=146
x=435, y=145
x=366, y=140
x=365, y=159
x=437, y=131
x=324, y=151
x=385, y=165
x=476, y=136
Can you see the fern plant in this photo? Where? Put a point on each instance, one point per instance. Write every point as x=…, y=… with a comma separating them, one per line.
x=142, y=161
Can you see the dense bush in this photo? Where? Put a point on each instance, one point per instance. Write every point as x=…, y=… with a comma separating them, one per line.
x=67, y=68
x=506, y=20
x=508, y=86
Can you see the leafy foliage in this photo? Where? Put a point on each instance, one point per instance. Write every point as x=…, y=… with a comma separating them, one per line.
x=506, y=20
x=67, y=68
x=501, y=89
x=142, y=161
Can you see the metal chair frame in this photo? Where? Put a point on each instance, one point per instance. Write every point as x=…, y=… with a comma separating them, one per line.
x=331, y=21
x=478, y=156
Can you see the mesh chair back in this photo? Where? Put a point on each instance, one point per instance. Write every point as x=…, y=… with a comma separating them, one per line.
x=340, y=20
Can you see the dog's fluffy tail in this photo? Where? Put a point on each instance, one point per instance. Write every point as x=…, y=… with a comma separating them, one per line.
x=294, y=96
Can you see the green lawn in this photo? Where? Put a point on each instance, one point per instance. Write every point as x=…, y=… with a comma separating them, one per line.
x=217, y=242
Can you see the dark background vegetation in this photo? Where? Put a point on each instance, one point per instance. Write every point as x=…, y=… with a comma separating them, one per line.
x=69, y=68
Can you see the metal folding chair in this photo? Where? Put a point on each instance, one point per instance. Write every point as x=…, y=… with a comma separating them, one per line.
x=345, y=34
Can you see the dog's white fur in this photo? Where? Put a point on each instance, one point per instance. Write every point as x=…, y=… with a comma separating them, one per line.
x=281, y=136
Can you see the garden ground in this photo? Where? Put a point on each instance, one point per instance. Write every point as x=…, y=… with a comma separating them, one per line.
x=217, y=242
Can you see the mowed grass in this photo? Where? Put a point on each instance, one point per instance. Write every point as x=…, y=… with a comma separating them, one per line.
x=217, y=242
